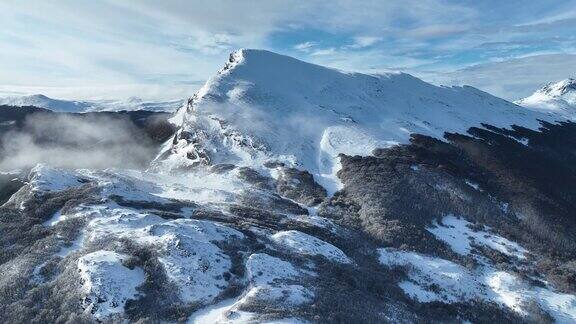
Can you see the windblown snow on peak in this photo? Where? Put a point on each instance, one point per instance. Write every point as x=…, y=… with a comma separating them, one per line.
x=265, y=106
x=556, y=97
x=560, y=88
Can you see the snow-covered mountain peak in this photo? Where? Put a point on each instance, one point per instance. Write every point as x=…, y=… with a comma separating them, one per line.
x=557, y=97
x=281, y=72
x=560, y=88
x=134, y=100
x=38, y=97
x=265, y=106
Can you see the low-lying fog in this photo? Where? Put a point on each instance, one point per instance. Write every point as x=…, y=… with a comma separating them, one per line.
x=76, y=141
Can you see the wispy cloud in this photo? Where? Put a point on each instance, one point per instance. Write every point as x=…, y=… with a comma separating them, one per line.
x=364, y=41
x=305, y=47
x=514, y=78
x=324, y=51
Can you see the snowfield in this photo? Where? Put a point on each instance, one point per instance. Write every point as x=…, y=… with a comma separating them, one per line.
x=45, y=178
x=270, y=278
x=433, y=279
x=436, y=279
x=187, y=249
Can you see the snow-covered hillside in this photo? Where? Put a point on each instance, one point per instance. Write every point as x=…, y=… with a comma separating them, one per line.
x=283, y=198
x=59, y=105
x=265, y=106
x=557, y=98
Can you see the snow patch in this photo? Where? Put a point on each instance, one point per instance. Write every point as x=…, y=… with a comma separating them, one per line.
x=273, y=280
x=191, y=259
x=215, y=313
x=473, y=185
x=44, y=178
x=106, y=283
x=192, y=262
x=302, y=243
x=458, y=234
x=433, y=279
x=436, y=279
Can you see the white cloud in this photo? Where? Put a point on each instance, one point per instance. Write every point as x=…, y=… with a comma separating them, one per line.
x=379, y=16
x=81, y=45
x=364, y=41
x=323, y=51
x=514, y=78
x=434, y=31
x=305, y=47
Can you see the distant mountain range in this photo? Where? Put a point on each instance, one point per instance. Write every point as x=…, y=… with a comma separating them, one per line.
x=59, y=105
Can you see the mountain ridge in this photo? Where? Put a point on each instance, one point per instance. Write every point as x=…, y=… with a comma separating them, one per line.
x=75, y=106
x=265, y=106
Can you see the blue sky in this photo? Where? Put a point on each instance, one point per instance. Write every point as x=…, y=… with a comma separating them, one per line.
x=166, y=49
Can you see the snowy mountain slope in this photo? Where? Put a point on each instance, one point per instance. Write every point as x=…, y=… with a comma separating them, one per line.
x=192, y=263
x=265, y=106
x=555, y=98
x=59, y=105
x=230, y=225
x=184, y=244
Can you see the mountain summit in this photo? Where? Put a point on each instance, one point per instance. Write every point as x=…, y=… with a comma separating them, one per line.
x=560, y=88
x=556, y=97
x=264, y=106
